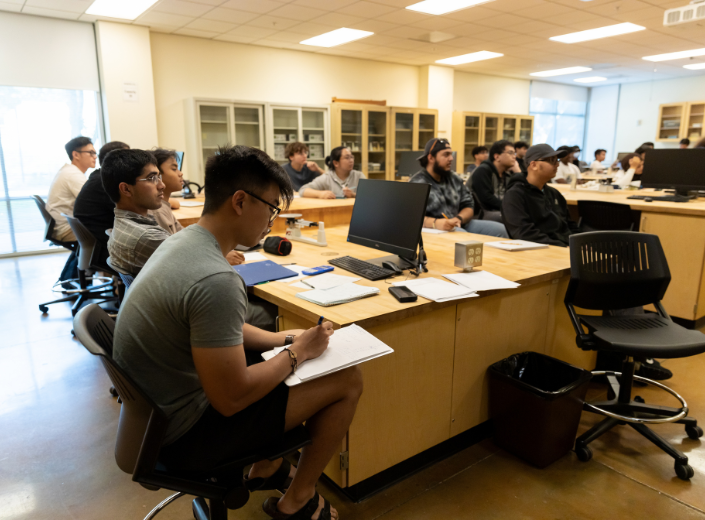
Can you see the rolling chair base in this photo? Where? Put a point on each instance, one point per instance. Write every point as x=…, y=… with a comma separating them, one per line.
x=621, y=410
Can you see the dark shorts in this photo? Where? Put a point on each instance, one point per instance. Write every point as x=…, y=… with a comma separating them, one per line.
x=216, y=439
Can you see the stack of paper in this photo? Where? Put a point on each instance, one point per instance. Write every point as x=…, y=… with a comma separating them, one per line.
x=348, y=347
x=191, y=203
x=437, y=290
x=516, y=245
x=254, y=257
x=328, y=280
x=481, y=281
x=346, y=293
x=433, y=231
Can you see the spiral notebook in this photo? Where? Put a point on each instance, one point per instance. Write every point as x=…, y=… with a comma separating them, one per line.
x=346, y=293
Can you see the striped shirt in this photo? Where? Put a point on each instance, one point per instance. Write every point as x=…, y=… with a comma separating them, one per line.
x=133, y=240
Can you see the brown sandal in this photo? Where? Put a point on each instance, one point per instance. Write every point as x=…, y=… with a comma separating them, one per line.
x=305, y=513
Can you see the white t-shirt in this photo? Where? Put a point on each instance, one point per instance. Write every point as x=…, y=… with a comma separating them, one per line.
x=597, y=165
x=623, y=178
x=62, y=196
x=566, y=171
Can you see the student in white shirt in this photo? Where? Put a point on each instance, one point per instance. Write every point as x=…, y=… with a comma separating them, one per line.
x=68, y=183
x=631, y=165
x=600, y=156
x=566, y=168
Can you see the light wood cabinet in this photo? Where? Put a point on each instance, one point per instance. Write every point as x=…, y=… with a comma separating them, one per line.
x=671, y=122
x=307, y=124
x=411, y=130
x=694, y=121
x=365, y=130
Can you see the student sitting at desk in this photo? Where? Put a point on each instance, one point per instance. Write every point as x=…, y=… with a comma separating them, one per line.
x=172, y=178
x=632, y=165
x=480, y=155
x=532, y=209
x=341, y=179
x=600, y=156
x=450, y=204
x=181, y=336
x=300, y=170
x=566, y=169
x=489, y=181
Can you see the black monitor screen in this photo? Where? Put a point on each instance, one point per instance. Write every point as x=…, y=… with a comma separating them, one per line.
x=179, y=160
x=389, y=215
x=674, y=168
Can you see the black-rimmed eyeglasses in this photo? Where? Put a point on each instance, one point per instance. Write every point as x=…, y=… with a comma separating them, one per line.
x=274, y=209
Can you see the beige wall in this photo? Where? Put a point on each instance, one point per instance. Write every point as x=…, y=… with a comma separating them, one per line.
x=480, y=93
x=436, y=90
x=124, y=56
x=186, y=67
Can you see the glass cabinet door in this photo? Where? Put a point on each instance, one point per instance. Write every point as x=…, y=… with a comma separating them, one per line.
x=285, y=124
x=215, y=129
x=351, y=134
x=526, y=133
x=670, y=123
x=696, y=118
x=248, y=126
x=491, y=130
x=314, y=135
x=472, y=139
x=376, y=144
x=403, y=137
x=427, y=129
x=509, y=128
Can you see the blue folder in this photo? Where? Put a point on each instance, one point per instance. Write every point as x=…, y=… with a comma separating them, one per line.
x=260, y=272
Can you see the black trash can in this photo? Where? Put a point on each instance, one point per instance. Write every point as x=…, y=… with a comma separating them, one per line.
x=535, y=405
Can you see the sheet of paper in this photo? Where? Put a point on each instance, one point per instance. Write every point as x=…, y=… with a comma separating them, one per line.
x=337, y=295
x=298, y=269
x=432, y=231
x=299, y=285
x=437, y=290
x=191, y=203
x=255, y=257
x=329, y=280
x=481, y=281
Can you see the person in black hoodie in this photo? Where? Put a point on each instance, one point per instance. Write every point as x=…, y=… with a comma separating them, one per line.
x=532, y=209
x=489, y=180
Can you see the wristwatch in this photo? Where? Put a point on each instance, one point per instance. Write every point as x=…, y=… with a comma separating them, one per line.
x=289, y=340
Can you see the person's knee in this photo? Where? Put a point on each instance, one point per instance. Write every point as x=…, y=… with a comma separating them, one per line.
x=353, y=382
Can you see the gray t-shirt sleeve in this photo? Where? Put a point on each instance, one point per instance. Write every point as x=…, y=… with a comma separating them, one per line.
x=215, y=309
x=321, y=183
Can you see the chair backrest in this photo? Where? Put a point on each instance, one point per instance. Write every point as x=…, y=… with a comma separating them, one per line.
x=142, y=423
x=616, y=270
x=48, y=219
x=605, y=216
x=86, y=242
x=479, y=210
x=126, y=278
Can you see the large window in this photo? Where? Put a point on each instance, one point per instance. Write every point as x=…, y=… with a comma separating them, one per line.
x=35, y=124
x=558, y=122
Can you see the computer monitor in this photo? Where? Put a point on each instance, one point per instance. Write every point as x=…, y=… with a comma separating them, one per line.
x=179, y=160
x=682, y=170
x=388, y=216
x=622, y=155
x=409, y=163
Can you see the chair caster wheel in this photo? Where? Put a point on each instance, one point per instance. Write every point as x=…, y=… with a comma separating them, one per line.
x=113, y=392
x=44, y=309
x=694, y=432
x=684, y=471
x=584, y=453
x=639, y=399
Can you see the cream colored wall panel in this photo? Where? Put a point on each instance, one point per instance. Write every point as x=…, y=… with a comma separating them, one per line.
x=480, y=93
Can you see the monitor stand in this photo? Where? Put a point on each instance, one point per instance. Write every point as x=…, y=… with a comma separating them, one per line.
x=400, y=262
x=683, y=195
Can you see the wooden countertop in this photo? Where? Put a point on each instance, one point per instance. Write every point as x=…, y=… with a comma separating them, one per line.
x=692, y=207
x=524, y=267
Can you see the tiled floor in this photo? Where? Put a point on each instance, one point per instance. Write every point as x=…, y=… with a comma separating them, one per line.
x=57, y=428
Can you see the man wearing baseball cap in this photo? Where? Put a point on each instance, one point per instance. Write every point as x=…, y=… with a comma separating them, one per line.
x=450, y=204
x=532, y=209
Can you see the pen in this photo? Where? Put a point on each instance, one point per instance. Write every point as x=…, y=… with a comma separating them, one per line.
x=320, y=320
x=445, y=216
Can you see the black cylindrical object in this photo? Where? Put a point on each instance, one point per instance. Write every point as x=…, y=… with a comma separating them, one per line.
x=277, y=246
x=535, y=405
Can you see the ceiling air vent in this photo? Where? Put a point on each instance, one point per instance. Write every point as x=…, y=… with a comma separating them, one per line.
x=689, y=13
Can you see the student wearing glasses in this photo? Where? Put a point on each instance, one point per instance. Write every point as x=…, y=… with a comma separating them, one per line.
x=341, y=179
x=532, y=209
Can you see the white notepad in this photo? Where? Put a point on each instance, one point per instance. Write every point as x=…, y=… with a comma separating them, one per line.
x=254, y=257
x=337, y=295
x=516, y=245
x=348, y=346
x=191, y=203
x=481, y=281
x=329, y=280
x=437, y=290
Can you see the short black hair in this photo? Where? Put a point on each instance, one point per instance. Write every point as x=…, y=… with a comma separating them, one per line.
x=498, y=147
x=642, y=149
x=162, y=155
x=564, y=147
x=685, y=141
x=75, y=144
x=478, y=150
x=647, y=144
x=335, y=155
x=599, y=151
x=242, y=168
x=624, y=163
x=109, y=147
x=521, y=144
x=123, y=166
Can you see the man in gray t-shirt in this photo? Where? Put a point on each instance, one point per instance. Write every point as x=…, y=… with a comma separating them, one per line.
x=181, y=336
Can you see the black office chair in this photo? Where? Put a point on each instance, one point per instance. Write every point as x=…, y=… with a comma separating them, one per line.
x=611, y=270
x=126, y=278
x=101, y=287
x=142, y=427
x=596, y=215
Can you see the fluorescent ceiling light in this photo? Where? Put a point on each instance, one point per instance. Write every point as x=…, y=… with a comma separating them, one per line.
x=675, y=55
x=444, y=6
x=126, y=9
x=695, y=66
x=560, y=72
x=600, y=32
x=592, y=79
x=337, y=37
x=469, y=58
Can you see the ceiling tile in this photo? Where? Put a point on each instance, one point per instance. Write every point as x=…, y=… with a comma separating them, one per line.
x=548, y=12
x=222, y=14
x=247, y=31
x=438, y=23
x=311, y=29
x=403, y=17
x=181, y=7
x=5, y=6
x=273, y=22
x=381, y=40
x=400, y=4
x=405, y=31
x=194, y=32
x=211, y=26
x=286, y=36
x=325, y=5
x=252, y=6
x=297, y=12
x=474, y=14
x=583, y=22
x=337, y=19
x=53, y=13
x=367, y=9
x=375, y=26
x=214, y=3
x=503, y=20
x=13, y=2
x=74, y=6
x=234, y=39
x=152, y=18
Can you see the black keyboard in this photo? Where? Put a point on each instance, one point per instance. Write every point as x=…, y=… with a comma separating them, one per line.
x=362, y=268
x=663, y=198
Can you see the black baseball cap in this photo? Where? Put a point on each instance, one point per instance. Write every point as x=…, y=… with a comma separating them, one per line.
x=433, y=146
x=544, y=151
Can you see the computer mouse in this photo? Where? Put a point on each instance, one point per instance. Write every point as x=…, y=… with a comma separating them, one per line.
x=392, y=267
x=648, y=199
